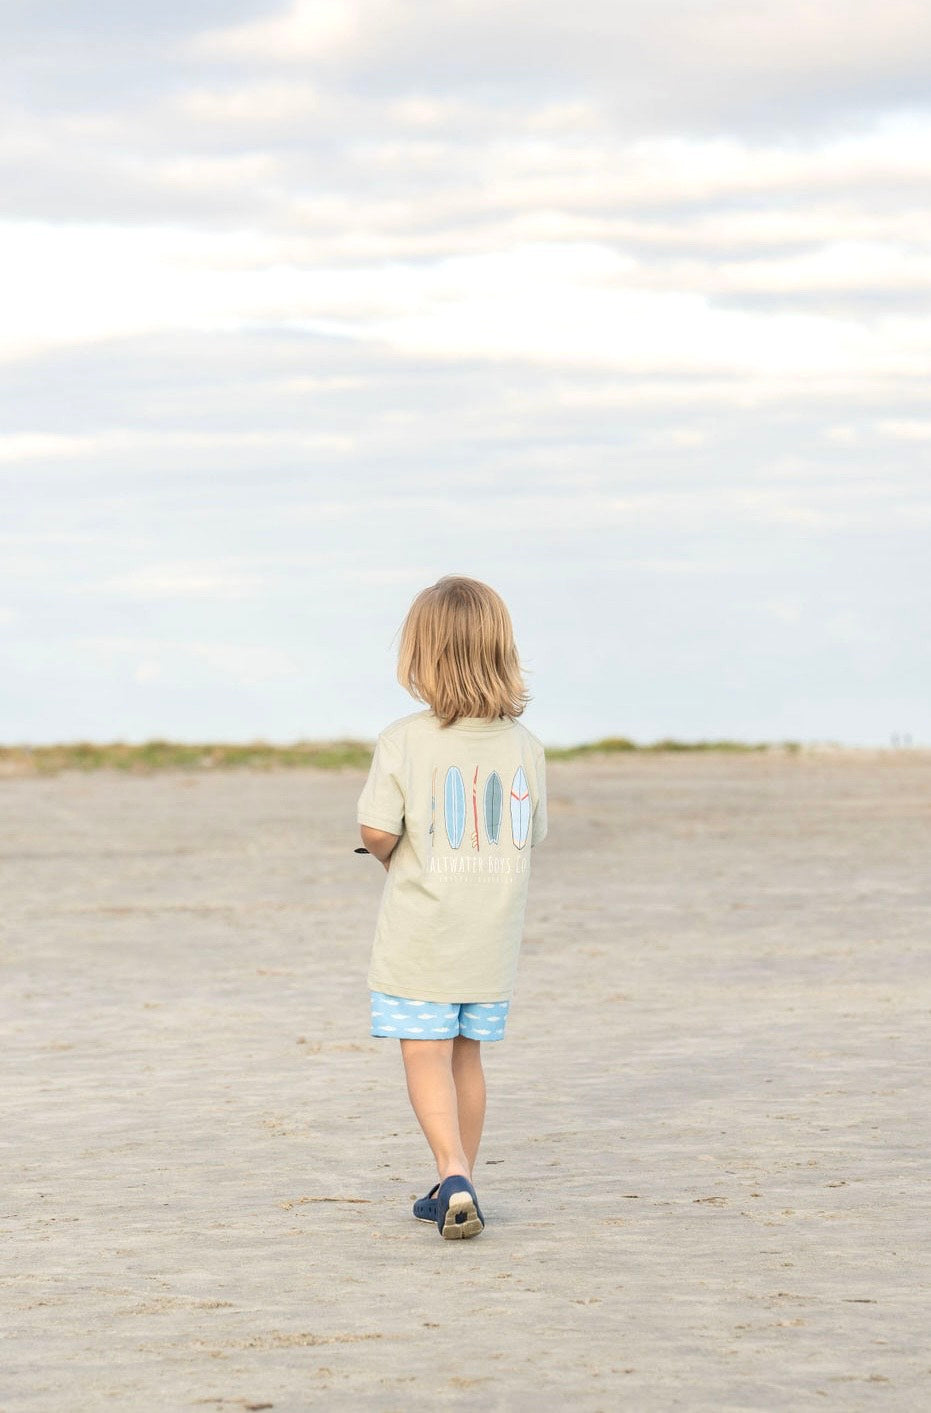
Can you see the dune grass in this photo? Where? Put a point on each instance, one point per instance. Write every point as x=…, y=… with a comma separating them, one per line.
x=612, y=745
x=149, y=756
x=155, y=755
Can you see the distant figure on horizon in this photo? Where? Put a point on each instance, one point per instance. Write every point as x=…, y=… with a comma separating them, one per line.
x=453, y=804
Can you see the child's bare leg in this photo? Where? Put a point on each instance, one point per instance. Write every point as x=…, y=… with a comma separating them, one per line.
x=432, y=1091
x=469, y=1079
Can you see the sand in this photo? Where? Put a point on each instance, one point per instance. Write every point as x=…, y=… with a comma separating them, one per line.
x=705, y=1168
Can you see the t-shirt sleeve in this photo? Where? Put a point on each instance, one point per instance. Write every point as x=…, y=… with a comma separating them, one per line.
x=539, y=813
x=381, y=804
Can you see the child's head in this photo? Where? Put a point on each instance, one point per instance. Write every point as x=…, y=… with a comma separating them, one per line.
x=457, y=652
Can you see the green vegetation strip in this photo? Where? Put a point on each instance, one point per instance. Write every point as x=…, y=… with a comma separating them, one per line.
x=259, y=755
x=616, y=744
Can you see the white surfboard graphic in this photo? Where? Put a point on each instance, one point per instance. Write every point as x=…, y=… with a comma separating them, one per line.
x=520, y=808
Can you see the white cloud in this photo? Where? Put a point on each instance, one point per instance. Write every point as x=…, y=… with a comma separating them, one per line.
x=262, y=104
x=678, y=436
x=218, y=173
x=594, y=311
x=195, y=580
x=669, y=60
x=905, y=429
x=309, y=29
x=251, y=664
x=600, y=306
x=44, y=446
x=143, y=446
x=788, y=609
x=167, y=659
x=442, y=247
x=842, y=435
x=838, y=265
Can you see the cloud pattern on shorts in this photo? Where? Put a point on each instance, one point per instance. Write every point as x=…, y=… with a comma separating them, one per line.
x=401, y=1018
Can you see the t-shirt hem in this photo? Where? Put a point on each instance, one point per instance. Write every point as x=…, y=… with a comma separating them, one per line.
x=469, y=995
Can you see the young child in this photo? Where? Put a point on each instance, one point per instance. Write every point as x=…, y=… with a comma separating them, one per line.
x=454, y=801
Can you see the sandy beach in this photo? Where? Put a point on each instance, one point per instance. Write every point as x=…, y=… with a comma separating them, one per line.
x=705, y=1167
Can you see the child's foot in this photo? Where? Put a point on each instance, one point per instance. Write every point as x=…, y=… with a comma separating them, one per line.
x=458, y=1213
x=425, y=1208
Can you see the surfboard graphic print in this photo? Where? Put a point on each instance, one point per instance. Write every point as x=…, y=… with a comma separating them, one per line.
x=433, y=809
x=494, y=794
x=454, y=801
x=520, y=808
x=475, y=809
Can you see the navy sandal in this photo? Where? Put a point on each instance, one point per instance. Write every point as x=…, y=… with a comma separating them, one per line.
x=425, y=1208
x=458, y=1213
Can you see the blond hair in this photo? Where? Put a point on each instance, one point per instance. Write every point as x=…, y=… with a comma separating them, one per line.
x=457, y=652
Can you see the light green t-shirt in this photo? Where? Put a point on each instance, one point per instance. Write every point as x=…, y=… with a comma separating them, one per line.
x=469, y=802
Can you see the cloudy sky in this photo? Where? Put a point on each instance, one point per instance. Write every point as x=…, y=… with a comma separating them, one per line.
x=622, y=307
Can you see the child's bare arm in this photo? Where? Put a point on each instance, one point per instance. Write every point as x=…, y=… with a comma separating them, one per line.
x=379, y=843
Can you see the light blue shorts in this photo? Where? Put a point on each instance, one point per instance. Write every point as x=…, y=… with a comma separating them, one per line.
x=398, y=1018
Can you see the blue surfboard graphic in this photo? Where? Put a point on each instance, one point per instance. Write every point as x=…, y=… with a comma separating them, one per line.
x=454, y=801
x=494, y=794
x=520, y=808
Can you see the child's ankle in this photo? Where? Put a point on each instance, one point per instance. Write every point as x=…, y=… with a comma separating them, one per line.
x=454, y=1170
